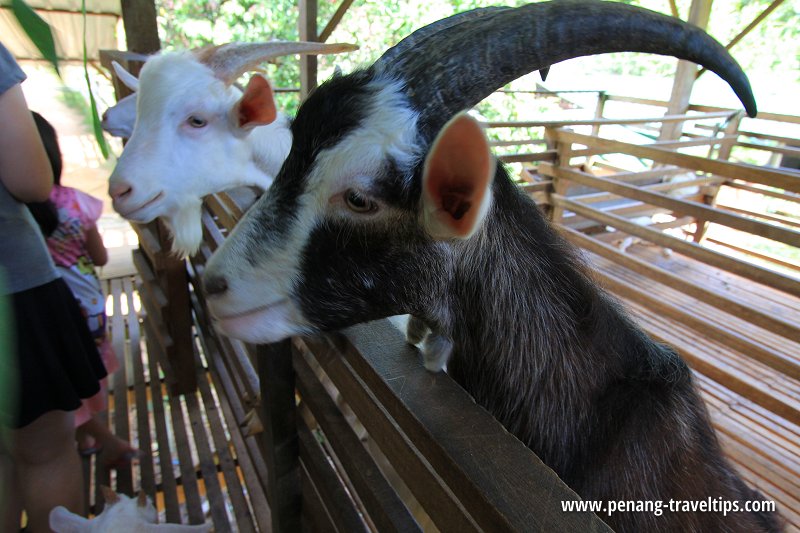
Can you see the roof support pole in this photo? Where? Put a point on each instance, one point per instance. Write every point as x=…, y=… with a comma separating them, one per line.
x=684, y=76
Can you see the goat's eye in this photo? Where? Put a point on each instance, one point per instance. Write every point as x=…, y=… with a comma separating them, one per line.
x=359, y=203
x=196, y=122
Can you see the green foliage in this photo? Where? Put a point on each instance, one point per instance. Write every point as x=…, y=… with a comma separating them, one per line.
x=376, y=25
x=37, y=30
x=96, y=126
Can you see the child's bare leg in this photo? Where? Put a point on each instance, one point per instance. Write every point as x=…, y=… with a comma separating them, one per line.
x=48, y=471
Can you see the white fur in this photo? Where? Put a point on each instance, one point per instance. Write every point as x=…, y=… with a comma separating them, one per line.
x=389, y=130
x=166, y=156
x=119, y=119
x=123, y=516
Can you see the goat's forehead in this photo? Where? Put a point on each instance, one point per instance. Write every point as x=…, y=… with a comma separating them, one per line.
x=175, y=78
x=373, y=129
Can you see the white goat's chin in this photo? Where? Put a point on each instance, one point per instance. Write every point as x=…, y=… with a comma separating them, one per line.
x=265, y=324
x=144, y=212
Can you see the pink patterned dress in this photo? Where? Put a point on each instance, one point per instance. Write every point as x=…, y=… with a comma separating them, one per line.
x=77, y=213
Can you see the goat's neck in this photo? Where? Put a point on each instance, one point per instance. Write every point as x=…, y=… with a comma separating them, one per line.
x=534, y=340
x=270, y=146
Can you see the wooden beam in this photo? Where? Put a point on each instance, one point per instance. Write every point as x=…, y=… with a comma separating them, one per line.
x=335, y=20
x=767, y=321
x=762, y=115
x=751, y=173
x=141, y=27
x=695, y=251
x=685, y=75
x=789, y=197
x=673, y=7
x=756, y=21
x=697, y=210
x=682, y=117
x=307, y=22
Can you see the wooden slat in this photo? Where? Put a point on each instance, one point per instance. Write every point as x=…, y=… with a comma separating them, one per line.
x=167, y=474
x=145, y=444
x=605, y=121
x=207, y=466
x=790, y=197
x=334, y=21
x=762, y=115
x=191, y=489
x=333, y=495
x=701, y=353
x=248, y=454
x=697, y=210
x=695, y=251
x=426, y=486
x=121, y=423
x=751, y=173
x=736, y=340
x=438, y=416
x=233, y=486
x=381, y=501
x=279, y=438
x=547, y=155
x=315, y=517
x=768, y=321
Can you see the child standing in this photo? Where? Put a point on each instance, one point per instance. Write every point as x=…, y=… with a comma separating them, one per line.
x=76, y=247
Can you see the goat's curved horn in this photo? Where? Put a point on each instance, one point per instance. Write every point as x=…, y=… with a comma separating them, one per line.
x=417, y=37
x=229, y=61
x=455, y=68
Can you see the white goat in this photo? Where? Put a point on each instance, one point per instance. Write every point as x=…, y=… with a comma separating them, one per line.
x=196, y=134
x=120, y=515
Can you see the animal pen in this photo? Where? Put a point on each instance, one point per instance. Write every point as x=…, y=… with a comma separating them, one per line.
x=348, y=432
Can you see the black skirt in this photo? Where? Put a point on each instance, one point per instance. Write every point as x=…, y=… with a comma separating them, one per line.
x=57, y=362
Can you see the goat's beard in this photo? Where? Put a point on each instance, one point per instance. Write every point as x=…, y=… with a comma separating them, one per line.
x=186, y=227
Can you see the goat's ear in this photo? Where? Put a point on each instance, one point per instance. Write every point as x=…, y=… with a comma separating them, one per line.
x=63, y=521
x=130, y=81
x=456, y=180
x=256, y=107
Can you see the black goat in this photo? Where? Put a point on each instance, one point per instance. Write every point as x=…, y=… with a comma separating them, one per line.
x=390, y=203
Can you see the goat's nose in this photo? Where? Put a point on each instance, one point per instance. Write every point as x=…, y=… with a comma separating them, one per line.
x=118, y=189
x=215, y=285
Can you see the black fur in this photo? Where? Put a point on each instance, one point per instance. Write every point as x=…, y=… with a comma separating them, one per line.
x=536, y=342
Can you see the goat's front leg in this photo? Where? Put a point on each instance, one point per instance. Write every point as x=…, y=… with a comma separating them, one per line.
x=436, y=348
x=416, y=329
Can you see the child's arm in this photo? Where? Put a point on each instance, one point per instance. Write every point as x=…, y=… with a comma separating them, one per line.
x=24, y=167
x=95, y=247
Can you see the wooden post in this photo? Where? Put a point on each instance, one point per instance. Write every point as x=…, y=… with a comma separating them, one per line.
x=731, y=135
x=307, y=22
x=602, y=98
x=141, y=27
x=279, y=441
x=560, y=185
x=684, y=76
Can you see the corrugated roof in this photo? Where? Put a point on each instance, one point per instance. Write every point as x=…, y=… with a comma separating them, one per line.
x=66, y=20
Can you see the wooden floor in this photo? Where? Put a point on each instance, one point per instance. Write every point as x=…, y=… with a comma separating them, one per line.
x=748, y=376
x=201, y=471
x=190, y=461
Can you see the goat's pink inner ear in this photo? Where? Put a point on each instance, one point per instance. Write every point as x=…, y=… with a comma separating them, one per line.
x=457, y=179
x=257, y=105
